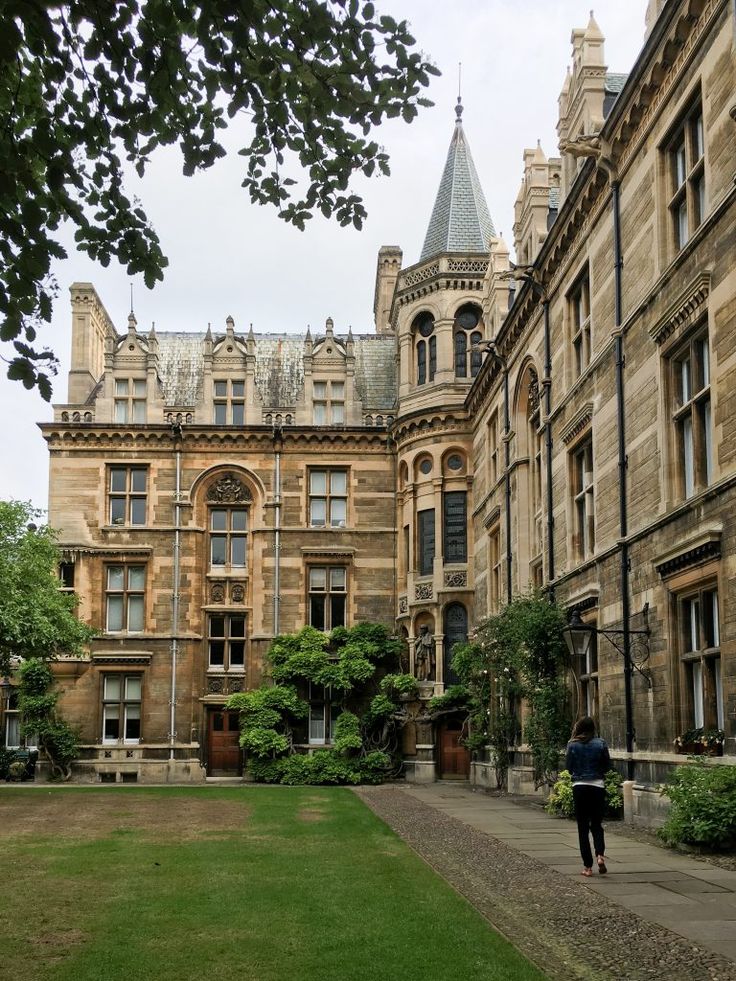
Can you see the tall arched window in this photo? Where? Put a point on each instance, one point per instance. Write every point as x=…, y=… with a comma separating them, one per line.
x=467, y=334
x=456, y=632
x=228, y=501
x=426, y=347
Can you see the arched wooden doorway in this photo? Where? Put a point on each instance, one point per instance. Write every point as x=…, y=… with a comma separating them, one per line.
x=454, y=758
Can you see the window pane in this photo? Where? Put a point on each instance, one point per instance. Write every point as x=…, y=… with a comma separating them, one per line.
x=132, y=722
x=337, y=611
x=318, y=579
x=121, y=386
x=121, y=412
x=111, y=722
x=136, y=577
x=687, y=456
x=117, y=510
x=421, y=362
x=12, y=731
x=238, y=520
x=338, y=482
x=318, y=511
x=218, y=549
x=217, y=626
x=317, y=611
x=138, y=480
x=238, y=413
x=337, y=579
x=220, y=413
x=680, y=168
x=217, y=653
x=698, y=694
x=118, y=477
x=698, y=134
x=707, y=441
x=237, y=550
x=139, y=411
x=719, y=691
x=338, y=390
x=112, y=687
x=135, y=613
x=319, y=390
x=139, y=387
x=220, y=389
x=682, y=232
x=237, y=626
x=338, y=512
x=237, y=653
x=138, y=511
x=218, y=520
x=114, y=613
x=338, y=413
x=317, y=724
x=318, y=482
x=320, y=414
x=115, y=577
x=133, y=689
x=238, y=389
x=713, y=598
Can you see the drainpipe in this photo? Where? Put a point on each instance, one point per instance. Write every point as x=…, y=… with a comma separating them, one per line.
x=277, y=442
x=547, y=383
x=507, y=469
x=622, y=469
x=176, y=432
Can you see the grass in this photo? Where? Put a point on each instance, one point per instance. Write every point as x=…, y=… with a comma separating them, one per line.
x=254, y=884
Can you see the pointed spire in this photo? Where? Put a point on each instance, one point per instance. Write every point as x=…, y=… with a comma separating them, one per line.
x=329, y=326
x=460, y=219
x=208, y=335
x=132, y=323
x=593, y=31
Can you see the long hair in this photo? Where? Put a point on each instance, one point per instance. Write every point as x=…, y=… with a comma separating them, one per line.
x=583, y=730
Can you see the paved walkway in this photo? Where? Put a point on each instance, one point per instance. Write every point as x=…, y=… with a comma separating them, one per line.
x=689, y=897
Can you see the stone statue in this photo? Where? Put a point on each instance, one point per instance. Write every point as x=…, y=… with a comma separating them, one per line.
x=424, y=655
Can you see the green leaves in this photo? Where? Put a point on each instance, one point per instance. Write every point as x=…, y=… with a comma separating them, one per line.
x=85, y=87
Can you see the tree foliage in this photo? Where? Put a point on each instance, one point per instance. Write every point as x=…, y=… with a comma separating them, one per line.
x=86, y=86
x=37, y=619
x=57, y=741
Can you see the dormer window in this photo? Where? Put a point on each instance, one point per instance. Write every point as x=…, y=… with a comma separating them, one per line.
x=229, y=402
x=328, y=403
x=426, y=347
x=130, y=400
x=467, y=335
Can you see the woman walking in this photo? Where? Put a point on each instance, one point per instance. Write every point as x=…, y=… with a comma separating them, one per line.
x=588, y=761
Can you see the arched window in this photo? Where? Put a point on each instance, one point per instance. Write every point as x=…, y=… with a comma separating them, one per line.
x=426, y=347
x=456, y=632
x=228, y=503
x=467, y=334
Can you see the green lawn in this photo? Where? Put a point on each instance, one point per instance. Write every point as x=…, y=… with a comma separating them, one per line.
x=254, y=884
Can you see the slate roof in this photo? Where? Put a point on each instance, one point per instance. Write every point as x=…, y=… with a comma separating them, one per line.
x=279, y=374
x=460, y=219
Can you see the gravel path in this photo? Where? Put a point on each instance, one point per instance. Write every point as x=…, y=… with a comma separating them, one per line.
x=550, y=917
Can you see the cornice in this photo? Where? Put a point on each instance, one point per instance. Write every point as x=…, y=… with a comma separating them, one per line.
x=422, y=422
x=582, y=418
x=690, y=554
x=685, y=310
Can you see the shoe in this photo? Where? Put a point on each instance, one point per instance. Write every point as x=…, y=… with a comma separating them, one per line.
x=587, y=873
x=602, y=865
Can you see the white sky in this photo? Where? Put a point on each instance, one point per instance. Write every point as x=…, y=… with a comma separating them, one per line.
x=230, y=257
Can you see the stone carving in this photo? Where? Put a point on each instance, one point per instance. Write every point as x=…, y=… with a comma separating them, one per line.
x=424, y=659
x=227, y=489
x=236, y=684
x=217, y=592
x=403, y=604
x=423, y=591
x=215, y=686
x=238, y=593
x=455, y=579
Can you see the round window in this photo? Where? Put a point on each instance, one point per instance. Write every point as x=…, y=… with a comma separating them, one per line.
x=426, y=465
x=455, y=462
x=425, y=324
x=467, y=318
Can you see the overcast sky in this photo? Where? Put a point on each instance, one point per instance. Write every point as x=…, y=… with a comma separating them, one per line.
x=228, y=257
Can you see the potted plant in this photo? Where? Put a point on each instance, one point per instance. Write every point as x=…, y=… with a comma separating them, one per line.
x=701, y=742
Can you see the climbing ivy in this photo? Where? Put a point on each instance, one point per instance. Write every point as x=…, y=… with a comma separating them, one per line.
x=57, y=741
x=352, y=663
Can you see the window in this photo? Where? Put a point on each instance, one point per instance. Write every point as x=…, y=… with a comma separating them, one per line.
x=690, y=381
x=467, y=336
x=327, y=597
x=455, y=537
x=328, y=500
x=66, y=576
x=587, y=672
x=229, y=402
x=121, y=708
x=228, y=537
x=405, y=549
x=425, y=524
x=124, y=598
x=226, y=642
x=493, y=455
x=535, y=440
x=127, y=495
x=12, y=722
x=583, y=499
x=328, y=403
x=426, y=347
x=579, y=301
x=494, y=570
x=323, y=714
x=130, y=400
x=686, y=166
x=699, y=626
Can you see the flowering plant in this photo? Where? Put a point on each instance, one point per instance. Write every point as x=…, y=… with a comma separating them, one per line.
x=708, y=738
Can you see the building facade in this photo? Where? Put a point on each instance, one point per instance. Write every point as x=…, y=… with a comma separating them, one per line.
x=564, y=421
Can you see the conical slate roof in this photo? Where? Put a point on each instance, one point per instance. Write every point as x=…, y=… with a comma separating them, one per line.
x=460, y=219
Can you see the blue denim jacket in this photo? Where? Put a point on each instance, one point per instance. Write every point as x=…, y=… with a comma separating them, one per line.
x=588, y=761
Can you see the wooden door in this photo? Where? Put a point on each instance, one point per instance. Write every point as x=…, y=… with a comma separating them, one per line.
x=224, y=756
x=454, y=757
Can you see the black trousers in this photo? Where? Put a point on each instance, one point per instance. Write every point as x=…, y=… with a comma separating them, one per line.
x=590, y=803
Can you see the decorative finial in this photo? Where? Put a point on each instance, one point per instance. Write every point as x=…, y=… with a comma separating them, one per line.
x=131, y=301
x=459, y=106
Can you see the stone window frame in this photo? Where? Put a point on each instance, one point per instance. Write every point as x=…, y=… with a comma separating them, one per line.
x=683, y=154
x=494, y=450
x=331, y=589
x=321, y=696
x=228, y=402
x=495, y=568
x=578, y=302
x=467, y=359
x=128, y=592
x=124, y=705
x=582, y=496
x=129, y=495
x=690, y=412
x=328, y=402
x=233, y=660
x=130, y=403
x=328, y=497
x=229, y=534
x=425, y=347
x=699, y=653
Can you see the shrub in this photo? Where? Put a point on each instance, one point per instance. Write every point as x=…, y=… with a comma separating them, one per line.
x=560, y=801
x=7, y=756
x=703, y=806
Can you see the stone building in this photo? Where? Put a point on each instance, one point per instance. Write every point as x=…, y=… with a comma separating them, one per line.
x=565, y=421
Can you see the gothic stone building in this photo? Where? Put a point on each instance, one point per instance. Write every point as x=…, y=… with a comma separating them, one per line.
x=567, y=421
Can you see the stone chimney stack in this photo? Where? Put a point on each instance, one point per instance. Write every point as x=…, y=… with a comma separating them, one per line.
x=91, y=327
x=388, y=268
